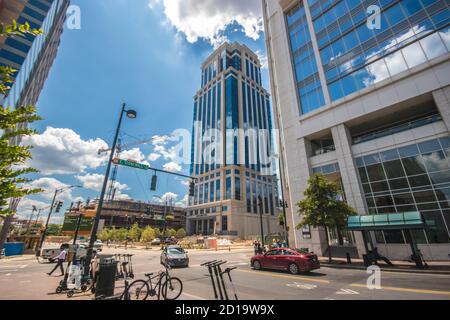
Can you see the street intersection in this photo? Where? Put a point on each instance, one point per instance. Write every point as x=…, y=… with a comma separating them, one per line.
x=26, y=279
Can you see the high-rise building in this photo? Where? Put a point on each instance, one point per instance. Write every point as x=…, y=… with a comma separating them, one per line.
x=232, y=149
x=361, y=93
x=31, y=56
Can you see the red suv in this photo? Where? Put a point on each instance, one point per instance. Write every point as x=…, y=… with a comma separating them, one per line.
x=294, y=261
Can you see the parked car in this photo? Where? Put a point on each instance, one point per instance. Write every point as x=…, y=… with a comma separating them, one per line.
x=172, y=241
x=156, y=242
x=175, y=256
x=291, y=260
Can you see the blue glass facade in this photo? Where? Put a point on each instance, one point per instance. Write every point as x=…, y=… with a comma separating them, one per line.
x=230, y=110
x=354, y=56
x=22, y=53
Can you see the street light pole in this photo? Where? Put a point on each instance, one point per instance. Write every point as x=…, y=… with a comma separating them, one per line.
x=131, y=114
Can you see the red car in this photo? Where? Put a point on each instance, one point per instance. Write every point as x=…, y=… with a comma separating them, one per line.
x=291, y=260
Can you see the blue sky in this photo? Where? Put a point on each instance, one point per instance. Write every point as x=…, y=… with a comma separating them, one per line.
x=148, y=55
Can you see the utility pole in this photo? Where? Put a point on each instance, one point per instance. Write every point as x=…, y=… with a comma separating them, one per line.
x=41, y=241
x=261, y=219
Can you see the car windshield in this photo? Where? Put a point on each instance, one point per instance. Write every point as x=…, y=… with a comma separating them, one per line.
x=302, y=251
x=175, y=251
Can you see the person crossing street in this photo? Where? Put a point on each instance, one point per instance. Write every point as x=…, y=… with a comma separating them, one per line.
x=61, y=258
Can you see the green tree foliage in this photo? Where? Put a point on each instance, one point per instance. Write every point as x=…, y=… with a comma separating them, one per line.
x=148, y=234
x=181, y=233
x=105, y=235
x=134, y=233
x=12, y=128
x=170, y=233
x=322, y=206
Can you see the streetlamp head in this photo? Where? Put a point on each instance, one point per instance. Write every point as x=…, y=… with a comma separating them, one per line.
x=131, y=114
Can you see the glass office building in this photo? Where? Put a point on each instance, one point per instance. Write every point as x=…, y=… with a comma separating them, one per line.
x=232, y=148
x=31, y=56
x=361, y=94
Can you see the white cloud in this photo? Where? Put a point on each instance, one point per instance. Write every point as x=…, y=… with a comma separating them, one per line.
x=49, y=185
x=134, y=154
x=207, y=19
x=154, y=156
x=62, y=151
x=26, y=206
x=95, y=182
x=184, y=202
x=173, y=167
x=263, y=59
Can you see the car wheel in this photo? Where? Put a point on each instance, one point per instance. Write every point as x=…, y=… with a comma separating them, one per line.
x=293, y=268
x=257, y=265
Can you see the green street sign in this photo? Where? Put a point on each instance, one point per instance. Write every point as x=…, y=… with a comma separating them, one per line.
x=131, y=164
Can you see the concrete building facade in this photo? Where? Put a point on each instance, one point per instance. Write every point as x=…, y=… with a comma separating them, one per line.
x=232, y=149
x=361, y=93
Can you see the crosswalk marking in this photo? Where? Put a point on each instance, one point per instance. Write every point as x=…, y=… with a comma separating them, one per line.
x=302, y=286
x=346, y=291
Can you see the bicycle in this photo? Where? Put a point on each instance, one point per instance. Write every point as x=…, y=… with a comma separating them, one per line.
x=170, y=288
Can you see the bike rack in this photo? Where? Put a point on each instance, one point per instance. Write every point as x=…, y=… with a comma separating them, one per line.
x=217, y=280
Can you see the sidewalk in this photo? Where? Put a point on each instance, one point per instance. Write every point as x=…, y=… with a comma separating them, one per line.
x=437, y=267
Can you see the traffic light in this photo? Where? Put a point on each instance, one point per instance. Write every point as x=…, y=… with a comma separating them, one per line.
x=191, y=189
x=59, y=206
x=153, y=183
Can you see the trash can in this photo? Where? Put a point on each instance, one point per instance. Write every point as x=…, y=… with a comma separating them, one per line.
x=14, y=249
x=106, y=278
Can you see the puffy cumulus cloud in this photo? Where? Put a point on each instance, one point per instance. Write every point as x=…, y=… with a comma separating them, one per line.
x=263, y=59
x=183, y=202
x=25, y=208
x=172, y=166
x=208, y=19
x=49, y=185
x=154, y=156
x=134, y=154
x=62, y=151
x=95, y=182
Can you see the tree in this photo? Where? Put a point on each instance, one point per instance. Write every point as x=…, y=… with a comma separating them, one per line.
x=105, y=235
x=122, y=235
x=135, y=233
x=148, y=234
x=170, y=233
x=323, y=207
x=12, y=128
x=181, y=233
x=157, y=232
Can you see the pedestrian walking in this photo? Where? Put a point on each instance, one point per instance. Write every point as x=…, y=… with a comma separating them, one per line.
x=61, y=258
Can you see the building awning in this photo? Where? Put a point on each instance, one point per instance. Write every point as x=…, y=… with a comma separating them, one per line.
x=394, y=221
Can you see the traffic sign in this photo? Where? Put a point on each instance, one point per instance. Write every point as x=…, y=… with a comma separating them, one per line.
x=131, y=164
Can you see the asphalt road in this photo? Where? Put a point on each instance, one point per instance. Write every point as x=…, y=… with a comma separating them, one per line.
x=25, y=279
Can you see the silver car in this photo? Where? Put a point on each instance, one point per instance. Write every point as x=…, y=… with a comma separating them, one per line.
x=175, y=256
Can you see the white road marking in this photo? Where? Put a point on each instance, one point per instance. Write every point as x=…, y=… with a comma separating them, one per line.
x=8, y=274
x=24, y=266
x=26, y=281
x=192, y=296
x=302, y=286
x=346, y=291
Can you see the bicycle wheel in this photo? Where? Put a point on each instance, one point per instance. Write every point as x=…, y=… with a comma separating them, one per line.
x=174, y=289
x=137, y=290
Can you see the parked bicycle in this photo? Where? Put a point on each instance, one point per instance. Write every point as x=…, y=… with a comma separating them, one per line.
x=170, y=288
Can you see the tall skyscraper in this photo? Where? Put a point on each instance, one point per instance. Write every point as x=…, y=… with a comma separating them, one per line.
x=361, y=92
x=232, y=148
x=31, y=56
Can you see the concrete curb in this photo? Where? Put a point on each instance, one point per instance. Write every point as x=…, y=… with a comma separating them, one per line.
x=444, y=272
